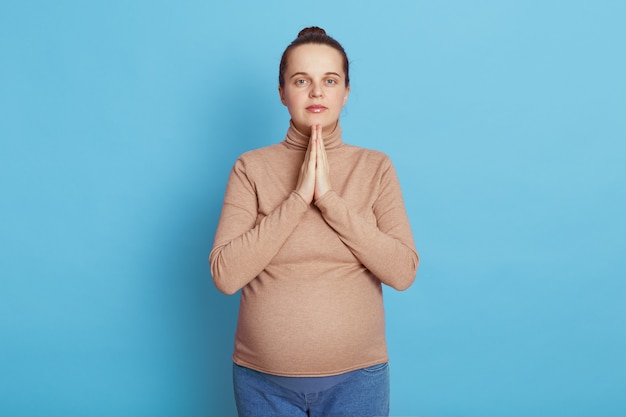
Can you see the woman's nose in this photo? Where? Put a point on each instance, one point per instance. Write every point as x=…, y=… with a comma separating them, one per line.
x=316, y=91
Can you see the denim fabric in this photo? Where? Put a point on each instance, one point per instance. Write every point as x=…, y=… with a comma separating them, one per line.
x=309, y=384
x=364, y=394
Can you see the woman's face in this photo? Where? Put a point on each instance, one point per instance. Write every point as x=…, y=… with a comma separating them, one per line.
x=315, y=87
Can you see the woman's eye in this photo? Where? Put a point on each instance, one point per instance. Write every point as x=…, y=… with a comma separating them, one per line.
x=330, y=81
x=300, y=82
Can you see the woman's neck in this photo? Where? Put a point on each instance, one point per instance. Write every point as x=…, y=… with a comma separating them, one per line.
x=298, y=139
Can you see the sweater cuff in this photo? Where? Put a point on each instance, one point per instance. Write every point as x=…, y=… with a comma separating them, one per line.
x=299, y=197
x=323, y=202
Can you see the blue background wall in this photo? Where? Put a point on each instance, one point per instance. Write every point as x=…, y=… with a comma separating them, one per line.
x=120, y=120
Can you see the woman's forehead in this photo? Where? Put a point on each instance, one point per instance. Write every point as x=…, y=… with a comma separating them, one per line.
x=315, y=58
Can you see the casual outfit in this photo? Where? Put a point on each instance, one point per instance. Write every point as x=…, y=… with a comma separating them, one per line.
x=310, y=274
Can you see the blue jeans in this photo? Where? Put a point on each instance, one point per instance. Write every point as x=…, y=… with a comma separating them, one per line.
x=364, y=394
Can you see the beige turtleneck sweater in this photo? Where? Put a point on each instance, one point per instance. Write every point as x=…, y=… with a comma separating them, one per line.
x=310, y=275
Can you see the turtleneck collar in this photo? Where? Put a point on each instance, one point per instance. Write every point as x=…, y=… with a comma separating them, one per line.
x=298, y=140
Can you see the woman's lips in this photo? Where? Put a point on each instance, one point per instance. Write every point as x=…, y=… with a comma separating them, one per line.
x=316, y=108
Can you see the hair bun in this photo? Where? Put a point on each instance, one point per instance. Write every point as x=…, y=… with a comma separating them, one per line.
x=313, y=30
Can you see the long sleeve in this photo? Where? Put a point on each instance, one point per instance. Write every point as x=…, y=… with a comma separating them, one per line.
x=311, y=275
x=385, y=247
x=243, y=245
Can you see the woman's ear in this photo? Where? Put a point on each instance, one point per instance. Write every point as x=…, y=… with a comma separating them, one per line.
x=345, y=97
x=281, y=93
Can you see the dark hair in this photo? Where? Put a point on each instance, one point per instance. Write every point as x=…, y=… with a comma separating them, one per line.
x=315, y=35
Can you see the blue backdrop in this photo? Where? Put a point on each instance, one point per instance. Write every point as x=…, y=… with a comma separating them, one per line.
x=120, y=120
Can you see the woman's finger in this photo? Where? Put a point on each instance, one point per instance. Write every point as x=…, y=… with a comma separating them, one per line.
x=305, y=185
x=322, y=171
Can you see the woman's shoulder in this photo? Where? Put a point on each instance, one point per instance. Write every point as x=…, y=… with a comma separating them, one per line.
x=274, y=150
x=257, y=159
x=368, y=153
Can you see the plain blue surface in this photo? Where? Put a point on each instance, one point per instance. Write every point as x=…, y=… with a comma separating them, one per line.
x=120, y=120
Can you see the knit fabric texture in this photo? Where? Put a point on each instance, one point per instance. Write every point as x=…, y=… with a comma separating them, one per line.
x=310, y=274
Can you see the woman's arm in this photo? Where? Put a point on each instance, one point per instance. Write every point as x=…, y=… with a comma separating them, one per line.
x=242, y=248
x=385, y=248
